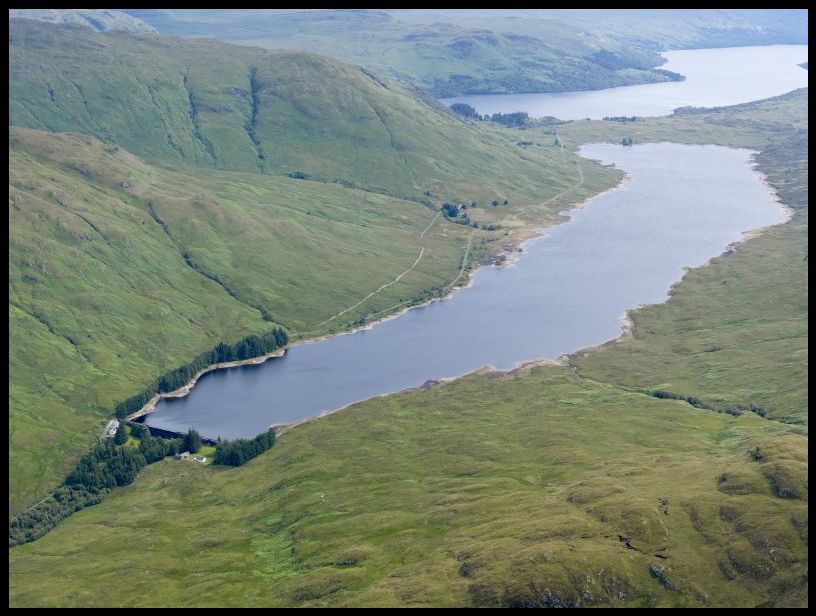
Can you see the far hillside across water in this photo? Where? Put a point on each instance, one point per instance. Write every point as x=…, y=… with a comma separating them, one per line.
x=714, y=78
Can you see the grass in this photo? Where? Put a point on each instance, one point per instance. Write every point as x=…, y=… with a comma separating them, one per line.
x=208, y=451
x=97, y=296
x=470, y=493
x=556, y=485
x=93, y=18
x=200, y=103
x=132, y=440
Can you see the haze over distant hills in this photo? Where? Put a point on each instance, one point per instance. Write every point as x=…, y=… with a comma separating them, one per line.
x=97, y=19
x=478, y=51
x=452, y=52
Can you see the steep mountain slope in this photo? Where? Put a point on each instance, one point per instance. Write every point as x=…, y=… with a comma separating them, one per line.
x=202, y=103
x=98, y=298
x=448, y=56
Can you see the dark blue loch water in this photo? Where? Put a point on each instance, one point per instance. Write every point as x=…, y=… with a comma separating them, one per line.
x=679, y=207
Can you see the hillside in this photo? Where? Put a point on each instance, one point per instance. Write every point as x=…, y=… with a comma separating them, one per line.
x=695, y=28
x=552, y=486
x=477, y=51
x=447, y=56
x=203, y=103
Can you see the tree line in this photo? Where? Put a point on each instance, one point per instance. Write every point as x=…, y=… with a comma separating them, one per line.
x=732, y=409
x=517, y=118
x=620, y=118
x=108, y=464
x=251, y=346
x=457, y=214
x=240, y=451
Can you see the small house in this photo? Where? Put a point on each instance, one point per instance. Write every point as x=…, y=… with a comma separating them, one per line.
x=183, y=456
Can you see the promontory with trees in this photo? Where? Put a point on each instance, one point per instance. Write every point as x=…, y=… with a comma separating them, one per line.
x=517, y=119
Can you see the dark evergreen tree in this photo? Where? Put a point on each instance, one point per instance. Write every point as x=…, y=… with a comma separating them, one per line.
x=450, y=210
x=463, y=109
x=192, y=441
x=138, y=430
x=121, y=434
x=240, y=451
x=517, y=118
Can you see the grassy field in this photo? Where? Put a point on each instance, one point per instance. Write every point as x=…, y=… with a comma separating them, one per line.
x=207, y=451
x=488, y=491
x=554, y=486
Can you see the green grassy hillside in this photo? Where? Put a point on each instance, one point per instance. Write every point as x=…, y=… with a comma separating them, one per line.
x=102, y=299
x=99, y=297
x=448, y=58
x=451, y=55
x=203, y=103
x=551, y=486
x=488, y=491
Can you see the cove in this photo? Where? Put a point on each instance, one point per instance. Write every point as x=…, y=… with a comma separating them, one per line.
x=714, y=78
x=680, y=206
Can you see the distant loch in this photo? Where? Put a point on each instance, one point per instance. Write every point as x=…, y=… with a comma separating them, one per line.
x=714, y=78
